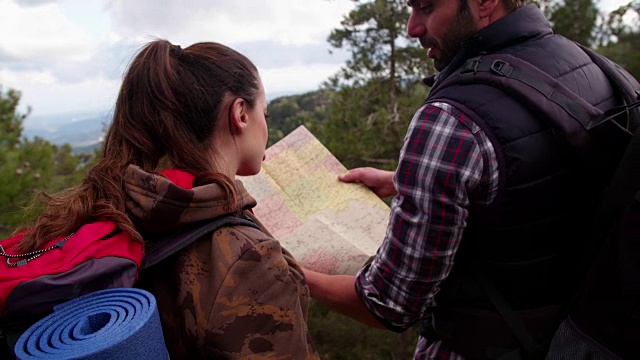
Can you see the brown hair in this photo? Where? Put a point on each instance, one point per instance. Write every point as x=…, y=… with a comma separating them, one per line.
x=511, y=5
x=167, y=108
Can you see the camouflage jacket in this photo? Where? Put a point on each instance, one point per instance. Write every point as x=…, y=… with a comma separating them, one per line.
x=235, y=293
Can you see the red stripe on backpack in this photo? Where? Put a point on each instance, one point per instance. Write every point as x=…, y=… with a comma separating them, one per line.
x=96, y=257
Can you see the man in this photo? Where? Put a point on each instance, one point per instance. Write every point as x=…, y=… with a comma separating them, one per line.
x=490, y=204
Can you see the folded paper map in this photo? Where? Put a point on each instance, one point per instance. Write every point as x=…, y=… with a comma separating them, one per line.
x=329, y=226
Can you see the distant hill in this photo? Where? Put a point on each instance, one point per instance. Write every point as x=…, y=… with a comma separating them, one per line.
x=83, y=131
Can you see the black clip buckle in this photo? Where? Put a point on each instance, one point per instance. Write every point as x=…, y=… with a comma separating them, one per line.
x=501, y=68
x=471, y=65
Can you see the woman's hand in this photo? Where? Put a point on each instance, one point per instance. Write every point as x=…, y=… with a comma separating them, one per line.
x=338, y=292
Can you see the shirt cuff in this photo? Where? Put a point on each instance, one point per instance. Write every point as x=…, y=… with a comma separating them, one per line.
x=366, y=296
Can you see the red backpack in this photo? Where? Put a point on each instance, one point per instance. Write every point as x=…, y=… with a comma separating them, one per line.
x=97, y=256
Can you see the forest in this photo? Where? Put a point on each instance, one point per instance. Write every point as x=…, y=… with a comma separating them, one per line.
x=361, y=114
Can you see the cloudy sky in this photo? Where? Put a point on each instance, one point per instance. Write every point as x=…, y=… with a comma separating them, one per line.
x=68, y=56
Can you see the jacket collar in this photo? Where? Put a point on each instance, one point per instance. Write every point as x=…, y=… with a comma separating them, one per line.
x=167, y=201
x=523, y=24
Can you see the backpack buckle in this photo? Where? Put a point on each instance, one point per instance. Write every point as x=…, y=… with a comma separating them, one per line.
x=471, y=65
x=501, y=68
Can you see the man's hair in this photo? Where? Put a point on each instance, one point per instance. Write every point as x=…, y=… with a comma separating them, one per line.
x=510, y=5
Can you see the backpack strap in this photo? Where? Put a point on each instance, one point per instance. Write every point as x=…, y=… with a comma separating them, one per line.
x=625, y=86
x=623, y=83
x=541, y=92
x=533, y=88
x=626, y=180
x=514, y=322
x=508, y=70
x=552, y=100
x=162, y=248
x=622, y=191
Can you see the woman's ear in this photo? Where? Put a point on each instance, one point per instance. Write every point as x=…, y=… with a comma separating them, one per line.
x=238, y=116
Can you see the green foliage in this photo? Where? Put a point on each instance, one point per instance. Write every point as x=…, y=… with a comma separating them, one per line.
x=376, y=94
x=582, y=21
x=10, y=120
x=619, y=39
x=365, y=126
x=615, y=27
x=575, y=19
x=340, y=338
x=28, y=166
x=289, y=112
x=375, y=33
x=625, y=52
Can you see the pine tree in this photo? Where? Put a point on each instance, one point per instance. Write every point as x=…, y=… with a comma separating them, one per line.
x=576, y=20
x=28, y=166
x=379, y=88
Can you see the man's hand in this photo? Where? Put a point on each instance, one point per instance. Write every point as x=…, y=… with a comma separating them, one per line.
x=380, y=181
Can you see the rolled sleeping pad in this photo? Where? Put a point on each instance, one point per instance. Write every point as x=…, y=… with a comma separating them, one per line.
x=118, y=324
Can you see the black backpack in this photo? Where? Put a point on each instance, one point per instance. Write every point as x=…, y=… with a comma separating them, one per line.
x=603, y=319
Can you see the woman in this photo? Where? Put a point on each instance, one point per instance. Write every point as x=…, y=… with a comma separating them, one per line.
x=234, y=293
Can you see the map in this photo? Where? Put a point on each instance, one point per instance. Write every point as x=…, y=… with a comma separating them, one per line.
x=329, y=226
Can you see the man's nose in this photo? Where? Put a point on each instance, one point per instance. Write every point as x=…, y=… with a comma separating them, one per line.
x=415, y=27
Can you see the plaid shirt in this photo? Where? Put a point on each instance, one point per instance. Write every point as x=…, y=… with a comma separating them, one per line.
x=447, y=162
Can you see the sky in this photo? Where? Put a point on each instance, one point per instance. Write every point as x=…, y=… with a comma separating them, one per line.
x=69, y=56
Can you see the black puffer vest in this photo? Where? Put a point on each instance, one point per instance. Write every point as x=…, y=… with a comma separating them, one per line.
x=524, y=242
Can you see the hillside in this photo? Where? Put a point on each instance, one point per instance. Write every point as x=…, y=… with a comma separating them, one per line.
x=84, y=131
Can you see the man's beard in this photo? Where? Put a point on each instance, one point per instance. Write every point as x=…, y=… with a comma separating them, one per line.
x=459, y=30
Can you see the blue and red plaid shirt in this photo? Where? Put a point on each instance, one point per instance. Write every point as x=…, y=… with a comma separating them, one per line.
x=446, y=164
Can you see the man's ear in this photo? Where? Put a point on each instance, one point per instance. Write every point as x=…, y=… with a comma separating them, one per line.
x=238, y=117
x=489, y=8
